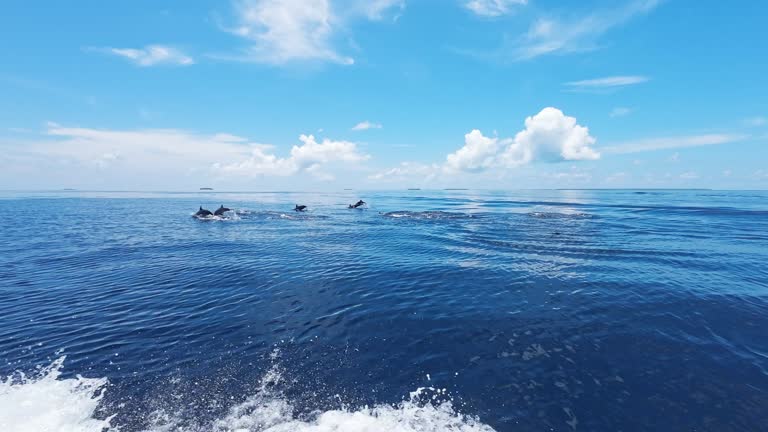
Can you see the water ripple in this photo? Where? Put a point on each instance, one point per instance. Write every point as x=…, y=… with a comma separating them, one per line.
x=535, y=310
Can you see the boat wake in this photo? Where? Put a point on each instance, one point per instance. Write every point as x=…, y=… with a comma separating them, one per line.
x=45, y=402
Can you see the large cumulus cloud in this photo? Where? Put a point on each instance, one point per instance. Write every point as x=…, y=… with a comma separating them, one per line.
x=549, y=136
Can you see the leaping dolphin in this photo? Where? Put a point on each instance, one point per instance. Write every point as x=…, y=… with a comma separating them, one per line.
x=221, y=210
x=203, y=212
x=357, y=204
x=300, y=208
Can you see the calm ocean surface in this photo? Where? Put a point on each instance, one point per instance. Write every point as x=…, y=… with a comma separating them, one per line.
x=428, y=311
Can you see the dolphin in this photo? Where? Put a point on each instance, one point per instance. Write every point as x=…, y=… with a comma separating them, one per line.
x=203, y=212
x=300, y=208
x=221, y=210
x=360, y=203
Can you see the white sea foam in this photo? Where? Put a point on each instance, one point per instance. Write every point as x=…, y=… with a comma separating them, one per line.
x=46, y=403
x=276, y=416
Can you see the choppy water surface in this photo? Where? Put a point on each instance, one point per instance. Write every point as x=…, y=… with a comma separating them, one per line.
x=428, y=311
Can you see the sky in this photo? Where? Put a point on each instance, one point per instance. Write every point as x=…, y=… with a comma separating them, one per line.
x=383, y=94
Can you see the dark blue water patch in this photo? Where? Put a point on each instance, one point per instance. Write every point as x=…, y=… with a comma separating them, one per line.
x=534, y=310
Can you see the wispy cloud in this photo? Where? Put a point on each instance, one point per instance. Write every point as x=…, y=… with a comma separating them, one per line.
x=279, y=32
x=575, y=175
x=169, y=156
x=408, y=170
x=666, y=143
x=607, y=82
x=365, y=125
x=285, y=31
x=756, y=121
x=620, y=112
x=493, y=8
x=377, y=9
x=151, y=55
x=577, y=34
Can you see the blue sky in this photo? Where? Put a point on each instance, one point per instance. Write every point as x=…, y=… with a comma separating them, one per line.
x=380, y=94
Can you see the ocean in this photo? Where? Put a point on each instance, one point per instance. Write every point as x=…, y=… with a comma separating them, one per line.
x=541, y=310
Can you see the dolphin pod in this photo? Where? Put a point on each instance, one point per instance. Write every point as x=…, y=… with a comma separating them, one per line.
x=204, y=213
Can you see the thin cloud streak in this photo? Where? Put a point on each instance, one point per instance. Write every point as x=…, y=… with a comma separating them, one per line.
x=667, y=143
x=756, y=121
x=493, y=8
x=620, y=112
x=608, y=82
x=365, y=125
x=151, y=55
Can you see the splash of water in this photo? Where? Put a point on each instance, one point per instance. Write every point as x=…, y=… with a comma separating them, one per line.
x=43, y=402
x=46, y=403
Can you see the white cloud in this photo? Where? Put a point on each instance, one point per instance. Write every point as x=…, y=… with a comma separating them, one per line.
x=727, y=173
x=664, y=143
x=560, y=36
x=365, y=125
x=307, y=157
x=478, y=154
x=550, y=135
x=151, y=55
x=493, y=8
x=620, y=112
x=157, y=157
x=376, y=9
x=607, y=82
x=281, y=31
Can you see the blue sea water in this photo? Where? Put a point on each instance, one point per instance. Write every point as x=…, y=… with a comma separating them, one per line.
x=428, y=311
